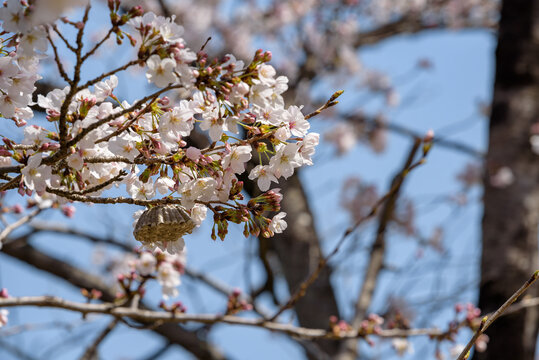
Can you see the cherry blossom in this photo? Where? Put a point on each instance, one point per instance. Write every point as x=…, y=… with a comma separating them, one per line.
x=3, y=317
x=161, y=71
x=285, y=160
x=278, y=225
x=264, y=176
x=91, y=144
x=146, y=264
x=237, y=158
x=169, y=279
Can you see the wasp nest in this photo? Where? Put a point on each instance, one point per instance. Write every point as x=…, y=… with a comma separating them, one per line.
x=162, y=224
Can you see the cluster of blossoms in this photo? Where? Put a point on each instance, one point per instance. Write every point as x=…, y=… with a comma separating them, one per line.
x=97, y=141
x=236, y=304
x=19, y=67
x=133, y=272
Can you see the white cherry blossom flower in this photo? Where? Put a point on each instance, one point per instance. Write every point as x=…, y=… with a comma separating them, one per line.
x=169, y=279
x=177, y=123
x=75, y=161
x=264, y=175
x=238, y=91
x=140, y=190
x=193, y=153
x=10, y=100
x=237, y=158
x=278, y=225
x=36, y=39
x=36, y=176
x=296, y=121
x=12, y=17
x=160, y=71
x=3, y=315
x=214, y=124
x=7, y=70
x=104, y=89
x=34, y=135
x=266, y=74
x=164, y=185
x=402, y=346
x=283, y=133
x=260, y=95
x=198, y=214
x=54, y=100
x=307, y=147
x=145, y=265
x=270, y=115
x=168, y=29
x=285, y=160
x=204, y=188
x=125, y=145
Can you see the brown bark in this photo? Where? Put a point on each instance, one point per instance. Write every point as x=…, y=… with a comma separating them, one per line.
x=511, y=214
x=299, y=252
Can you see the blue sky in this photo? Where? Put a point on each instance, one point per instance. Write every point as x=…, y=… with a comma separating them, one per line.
x=449, y=93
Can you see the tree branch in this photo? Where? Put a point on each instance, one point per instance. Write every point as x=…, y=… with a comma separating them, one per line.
x=377, y=253
x=19, y=249
x=91, y=351
x=488, y=320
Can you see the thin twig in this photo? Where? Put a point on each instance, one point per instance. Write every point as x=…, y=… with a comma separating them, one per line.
x=111, y=200
x=324, y=260
x=92, y=189
x=11, y=227
x=91, y=351
x=67, y=44
x=488, y=320
x=109, y=73
x=97, y=46
x=331, y=102
x=59, y=65
x=13, y=183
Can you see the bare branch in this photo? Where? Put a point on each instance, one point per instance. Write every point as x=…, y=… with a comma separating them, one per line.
x=149, y=316
x=91, y=351
x=23, y=220
x=488, y=320
x=301, y=291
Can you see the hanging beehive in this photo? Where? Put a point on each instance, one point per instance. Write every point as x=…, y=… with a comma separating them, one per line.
x=163, y=223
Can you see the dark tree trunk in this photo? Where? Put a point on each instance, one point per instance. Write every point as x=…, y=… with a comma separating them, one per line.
x=511, y=214
x=299, y=252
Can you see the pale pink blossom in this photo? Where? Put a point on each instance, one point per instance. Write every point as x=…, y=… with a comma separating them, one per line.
x=264, y=176
x=278, y=225
x=146, y=263
x=237, y=158
x=198, y=214
x=160, y=71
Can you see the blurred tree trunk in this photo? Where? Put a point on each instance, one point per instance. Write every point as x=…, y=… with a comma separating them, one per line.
x=511, y=214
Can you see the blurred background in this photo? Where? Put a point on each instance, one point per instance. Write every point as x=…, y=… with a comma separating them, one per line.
x=406, y=67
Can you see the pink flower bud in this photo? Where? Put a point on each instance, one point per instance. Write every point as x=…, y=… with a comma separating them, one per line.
x=3, y=293
x=429, y=136
x=164, y=101
x=68, y=210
